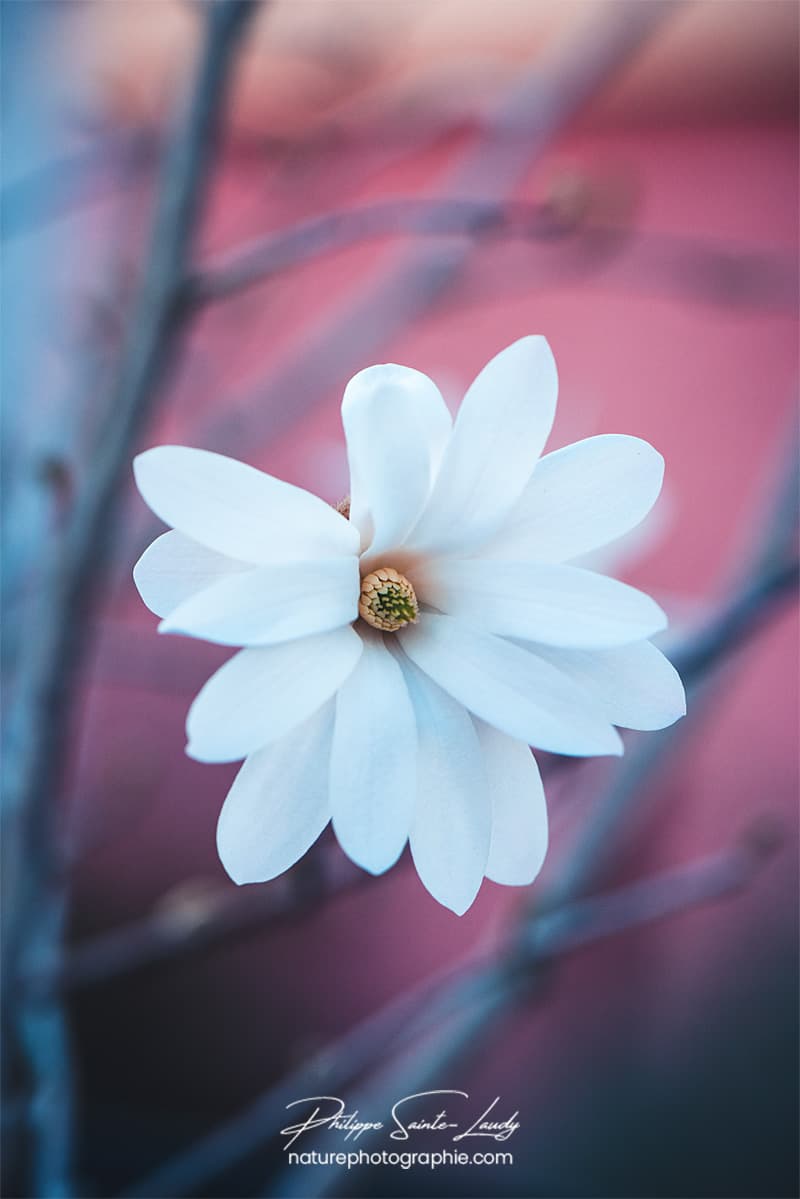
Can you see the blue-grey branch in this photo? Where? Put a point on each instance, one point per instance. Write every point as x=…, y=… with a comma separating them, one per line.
x=35, y=735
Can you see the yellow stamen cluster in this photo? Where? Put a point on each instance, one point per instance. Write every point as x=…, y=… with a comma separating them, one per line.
x=387, y=600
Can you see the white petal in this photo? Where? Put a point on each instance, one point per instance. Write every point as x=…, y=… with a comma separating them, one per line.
x=278, y=804
x=547, y=602
x=643, y=540
x=635, y=685
x=396, y=424
x=262, y=694
x=373, y=763
x=238, y=510
x=519, y=811
x=272, y=603
x=504, y=685
x=173, y=568
x=581, y=497
x=452, y=822
x=501, y=427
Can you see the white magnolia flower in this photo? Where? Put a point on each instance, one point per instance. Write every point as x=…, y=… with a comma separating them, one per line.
x=398, y=664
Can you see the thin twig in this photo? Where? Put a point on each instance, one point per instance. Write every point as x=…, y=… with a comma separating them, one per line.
x=251, y=264
x=168, y=935
x=35, y=746
x=588, y=920
x=700, y=268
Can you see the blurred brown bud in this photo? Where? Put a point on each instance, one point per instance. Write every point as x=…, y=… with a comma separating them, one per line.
x=189, y=905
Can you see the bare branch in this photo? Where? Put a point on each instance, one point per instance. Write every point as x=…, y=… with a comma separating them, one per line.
x=588, y=920
x=36, y=733
x=404, y=216
x=582, y=233
x=198, y=922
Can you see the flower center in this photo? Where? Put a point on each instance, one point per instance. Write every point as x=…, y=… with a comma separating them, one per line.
x=387, y=600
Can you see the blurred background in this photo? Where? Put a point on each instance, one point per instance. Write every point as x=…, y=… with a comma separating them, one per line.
x=213, y=214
